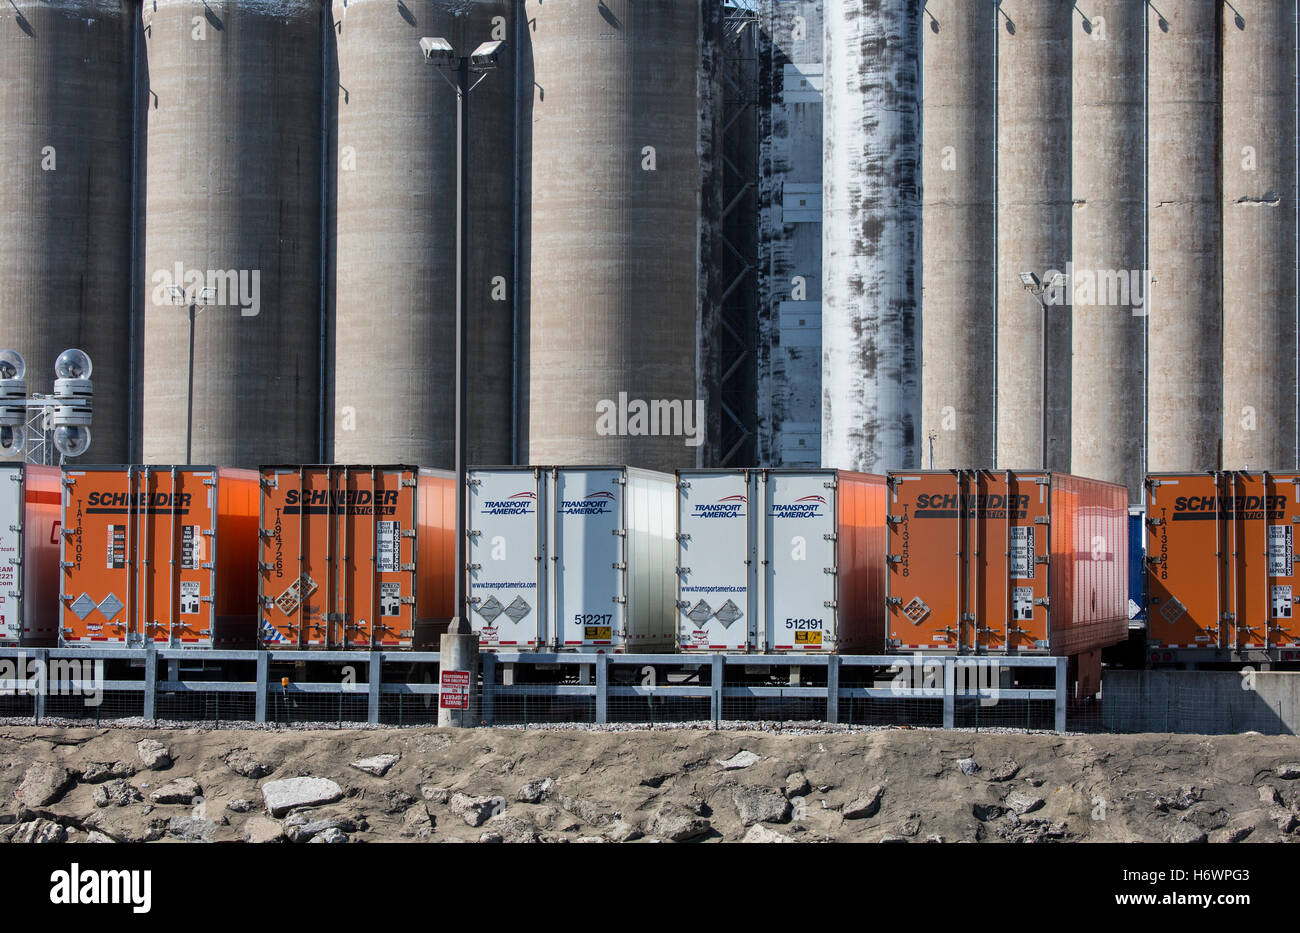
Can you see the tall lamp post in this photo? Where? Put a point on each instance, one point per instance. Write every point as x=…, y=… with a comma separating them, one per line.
x=459, y=647
x=1034, y=285
x=196, y=302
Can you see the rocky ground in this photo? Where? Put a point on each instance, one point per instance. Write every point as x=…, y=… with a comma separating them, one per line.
x=503, y=785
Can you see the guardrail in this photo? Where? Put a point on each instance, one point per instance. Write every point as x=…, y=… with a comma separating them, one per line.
x=813, y=679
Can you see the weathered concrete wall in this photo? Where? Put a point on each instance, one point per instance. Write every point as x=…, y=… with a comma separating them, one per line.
x=1259, y=235
x=1034, y=149
x=611, y=245
x=1210, y=702
x=1108, y=241
x=233, y=182
x=393, y=232
x=958, y=288
x=790, y=257
x=871, y=236
x=1184, y=329
x=66, y=199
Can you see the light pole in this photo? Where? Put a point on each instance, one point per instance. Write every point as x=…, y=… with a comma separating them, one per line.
x=195, y=302
x=1034, y=285
x=459, y=647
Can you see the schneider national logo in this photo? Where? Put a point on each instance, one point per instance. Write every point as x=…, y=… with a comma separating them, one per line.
x=803, y=507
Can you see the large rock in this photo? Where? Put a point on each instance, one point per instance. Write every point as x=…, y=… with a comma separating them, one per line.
x=191, y=828
x=330, y=835
x=117, y=793
x=868, y=805
x=182, y=790
x=245, y=763
x=584, y=810
x=755, y=805
x=417, y=824
x=1289, y=771
x=1022, y=803
x=678, y=824
x=43, y=784
x=968, y=766
x=301, y=827
x=535, y=791
x=622, y=831
x=395, y=801
x=760, y=833
x=96, y=772
x=154, y=755
x=34, y=831
x=475, y=811
x=796, y=785
x=259, y=829
x=377, y=765
x=1005, y=771
x=284, y=795
x=742, y=759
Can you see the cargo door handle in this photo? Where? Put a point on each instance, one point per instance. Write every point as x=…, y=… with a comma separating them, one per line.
x=1045, y=601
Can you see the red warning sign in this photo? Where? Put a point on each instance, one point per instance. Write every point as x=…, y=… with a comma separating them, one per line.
x=454, y=691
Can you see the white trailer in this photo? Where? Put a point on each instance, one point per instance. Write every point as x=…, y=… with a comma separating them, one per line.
x=507, y=585
x=613, y=553
x=719, y=515
x=29, y=554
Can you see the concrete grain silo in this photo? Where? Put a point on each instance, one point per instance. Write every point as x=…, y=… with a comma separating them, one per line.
x=1108, y=234
x=393, y=234
x=959, y=169
x=1259, y=235
x=871, y=239
x=1033, y=225
x=1184, y=332
x=66, y=193
x=233, y=177
x=611, y=184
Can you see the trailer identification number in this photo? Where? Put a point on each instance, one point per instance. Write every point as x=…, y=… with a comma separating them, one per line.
x=1279, y=551
x=1021, y=559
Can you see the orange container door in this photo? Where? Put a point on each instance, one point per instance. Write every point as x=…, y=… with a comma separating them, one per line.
x=97, y=556
x=1006, y=527
x=1261, y=536
x=176, y=523
x=375, y=520
x=290, y=585
x=927, y=547
x=1186, y=581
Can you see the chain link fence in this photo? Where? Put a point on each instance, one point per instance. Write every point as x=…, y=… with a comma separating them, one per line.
x=336, y=689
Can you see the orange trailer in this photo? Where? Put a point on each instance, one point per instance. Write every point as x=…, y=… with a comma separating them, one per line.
x=159, y=553
x=1221, y=565
x=1006, y=562
x=355, y=556
x=29, y=555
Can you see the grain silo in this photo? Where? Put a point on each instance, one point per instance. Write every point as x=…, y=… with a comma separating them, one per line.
x=66, y=197
x=393, y=234
x=1184, y=332
x=959, y=168
x=1033, y=225
x=1259, y=235
x=611, y=179
x=1108, y=233
x=871, y=236
x=233, y=205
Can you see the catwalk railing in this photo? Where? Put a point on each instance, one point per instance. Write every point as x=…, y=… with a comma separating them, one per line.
x=402, y=688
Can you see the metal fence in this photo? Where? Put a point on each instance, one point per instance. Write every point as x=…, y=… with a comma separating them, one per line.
x=401, y=688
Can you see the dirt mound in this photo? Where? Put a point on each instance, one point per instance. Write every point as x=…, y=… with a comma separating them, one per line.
x=502, y=785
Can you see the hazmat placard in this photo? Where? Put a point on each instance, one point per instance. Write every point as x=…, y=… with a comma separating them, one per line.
x=453, y=690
